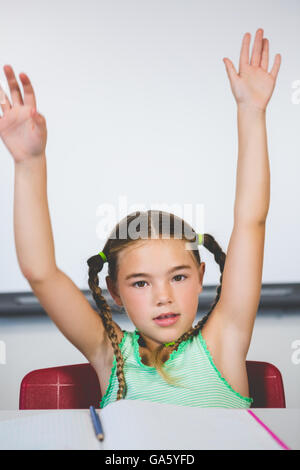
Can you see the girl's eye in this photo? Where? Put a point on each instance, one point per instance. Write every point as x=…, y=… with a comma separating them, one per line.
x=138, y=282
x=180, y=275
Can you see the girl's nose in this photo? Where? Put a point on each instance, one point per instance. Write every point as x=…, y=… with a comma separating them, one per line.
x=164, y=295
x=164, y=300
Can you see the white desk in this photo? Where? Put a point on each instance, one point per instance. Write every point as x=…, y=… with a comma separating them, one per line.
x=285, y=423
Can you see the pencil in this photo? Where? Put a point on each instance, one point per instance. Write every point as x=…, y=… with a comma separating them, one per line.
x=97, y=424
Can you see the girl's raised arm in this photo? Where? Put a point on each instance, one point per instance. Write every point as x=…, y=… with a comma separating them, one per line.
x=241, y=284
x=24, y=133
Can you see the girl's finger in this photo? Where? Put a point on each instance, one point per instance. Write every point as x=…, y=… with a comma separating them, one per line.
x=29, y=96
x=230, y=68
x=276, y=66
x=244, y=55
x=15, y=92
x=257, y=48
x=265, y=55
x=4, y=101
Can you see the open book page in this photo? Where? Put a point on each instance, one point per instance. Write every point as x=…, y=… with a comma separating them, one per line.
x=135, y=425
x=52, y=429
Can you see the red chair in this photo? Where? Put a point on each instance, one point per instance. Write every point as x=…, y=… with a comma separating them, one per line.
x=77, y=387
x=66, y=387
x=265, y=385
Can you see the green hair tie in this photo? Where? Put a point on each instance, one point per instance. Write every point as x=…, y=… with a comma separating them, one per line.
x=169, y=344
x=200, y=238
x=103, y=256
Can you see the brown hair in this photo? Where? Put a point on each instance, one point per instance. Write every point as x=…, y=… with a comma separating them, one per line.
x=150, y=224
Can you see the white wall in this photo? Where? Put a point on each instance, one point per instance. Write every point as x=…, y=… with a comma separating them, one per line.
x=138, y=104
x=36, y=343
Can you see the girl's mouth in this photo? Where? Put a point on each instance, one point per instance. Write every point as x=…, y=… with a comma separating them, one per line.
x=166, y=320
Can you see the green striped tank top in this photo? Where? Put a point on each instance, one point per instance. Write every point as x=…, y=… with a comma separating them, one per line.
x=199, y=382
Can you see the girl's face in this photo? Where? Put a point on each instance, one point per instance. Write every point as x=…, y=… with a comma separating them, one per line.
x=150, y=283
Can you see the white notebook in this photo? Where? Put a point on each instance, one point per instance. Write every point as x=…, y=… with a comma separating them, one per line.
x=136, y=425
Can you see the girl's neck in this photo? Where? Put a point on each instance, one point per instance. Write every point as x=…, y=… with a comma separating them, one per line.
x=147, y=343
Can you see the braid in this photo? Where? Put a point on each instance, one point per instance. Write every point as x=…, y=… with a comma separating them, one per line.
x=95, y=266
x=220, y=257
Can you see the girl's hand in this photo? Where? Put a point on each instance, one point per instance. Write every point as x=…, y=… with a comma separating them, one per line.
x=253, y=85
x=22, y=129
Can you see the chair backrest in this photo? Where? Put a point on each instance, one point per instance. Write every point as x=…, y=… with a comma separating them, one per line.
x=77, y=387
x=265, y=385
x=65, y=387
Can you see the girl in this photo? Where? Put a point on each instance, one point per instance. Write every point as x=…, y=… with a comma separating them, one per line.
x=154, y=275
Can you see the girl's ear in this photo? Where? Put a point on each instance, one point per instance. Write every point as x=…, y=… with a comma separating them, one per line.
x=201, y=273
x=113, y=291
